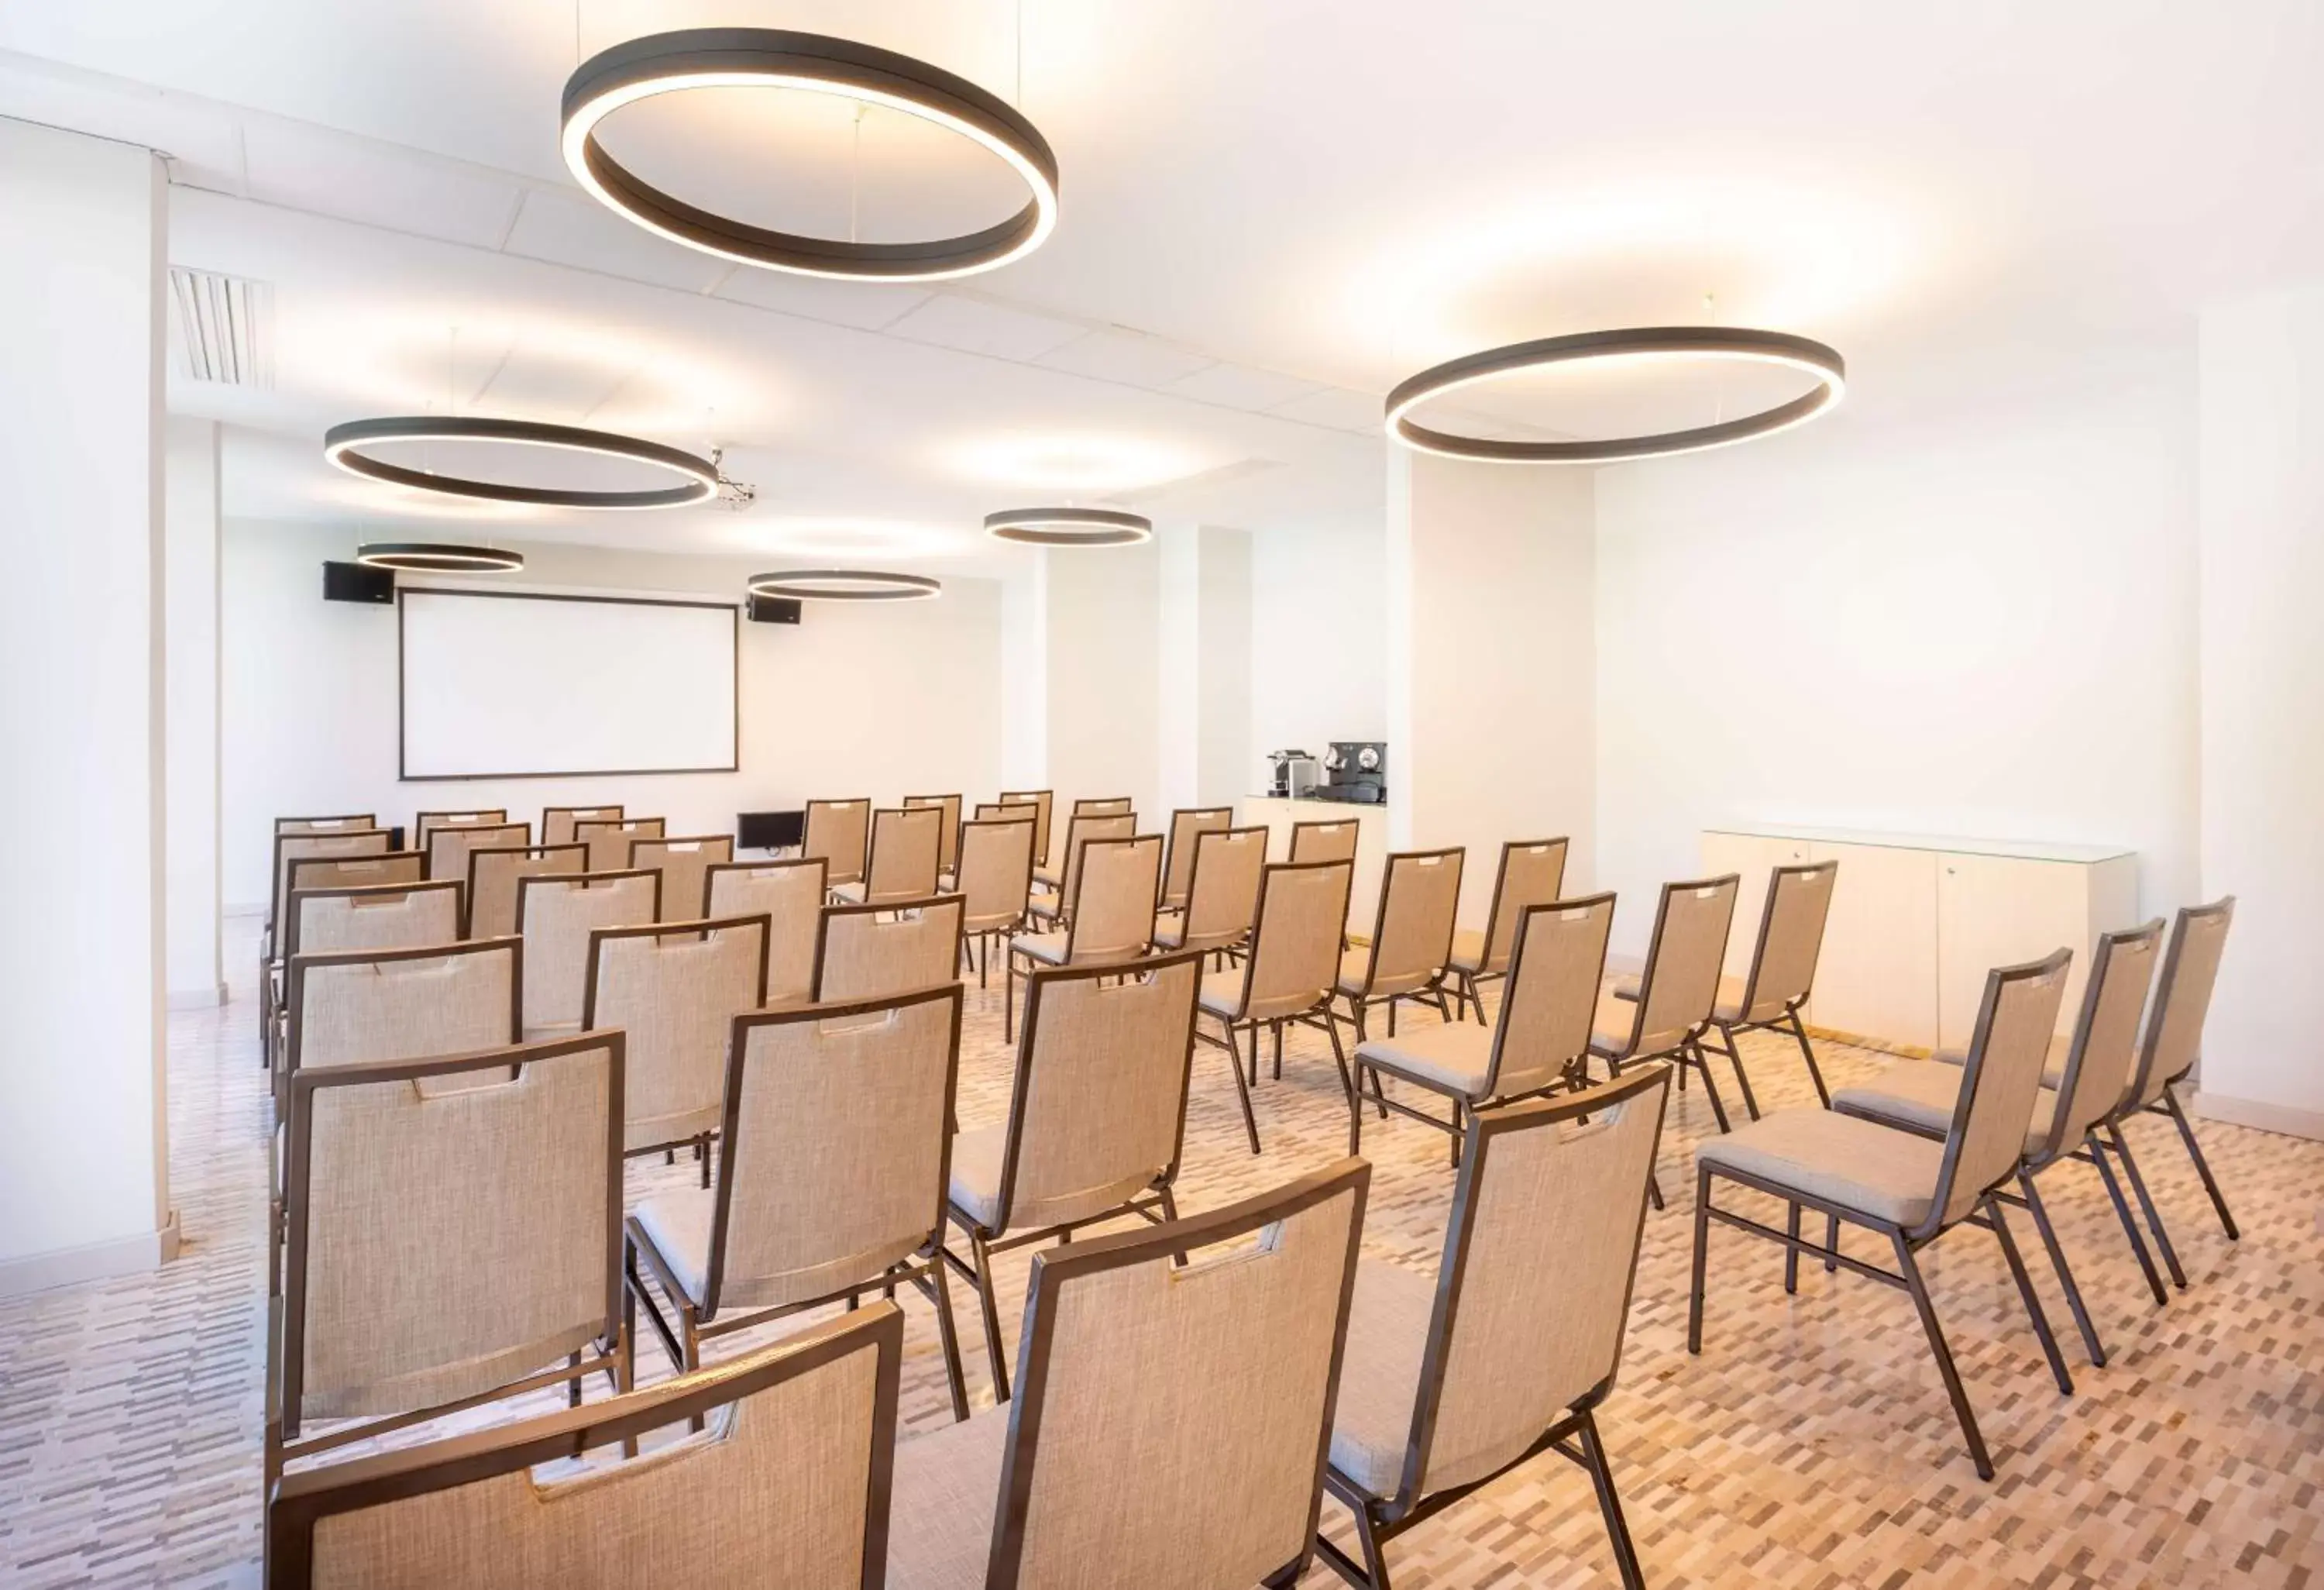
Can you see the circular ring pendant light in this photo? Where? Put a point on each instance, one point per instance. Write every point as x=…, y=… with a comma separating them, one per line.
x=1652, y=342
x=344, y=445
x=766, y=58
x=845, y=584
x=1069, y=527
x=437, y=558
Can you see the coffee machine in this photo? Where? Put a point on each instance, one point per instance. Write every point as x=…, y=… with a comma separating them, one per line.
x=1294, y=775
x=1355, y=772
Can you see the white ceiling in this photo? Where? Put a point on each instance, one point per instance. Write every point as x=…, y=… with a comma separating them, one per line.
x=1270, y=214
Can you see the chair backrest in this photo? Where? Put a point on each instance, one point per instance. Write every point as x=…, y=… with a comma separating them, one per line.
x=1102, y=806
x=427, y=822
x=453, y=1224
x=2000, y=1080
x=372, y=916
x=609, y=838
x=791, y=1487
x=790, y=895
x=1017, y=810
x=448, y=844
x=995, y=874
x=1153, y=1450
x=493, y=874
x=871, y=951
x=1557, y=968
x=556, y=914
x=1295, y=944
x=556, y=821
x=1534, y=1288
x=838, y=832
x=2183, y=1000
x=1079, y=831
x=1326, y=841
x=1188, y=824
x=948, y=836
x=355, y=872
x=838, y=1145
x=1043, y=802
x=1098, y=1110
x=1411, y=937
x=675, y=990
x=326, y=825
x=1791, y=938
x=907, y=847
x=1222, y=890
x=683, y=866
x=1679, y=989
x=296, y=846
x=1113, y=903
x=2104, y=1052
x=1531, y=873
x=354, y=1006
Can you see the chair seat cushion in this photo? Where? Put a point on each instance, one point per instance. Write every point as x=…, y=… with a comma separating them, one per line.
x=1379, y=1377
x=1047, y=878
x=1048, y=948
x=976, y=1174
x=1861, y=1166
x=677, y=1224
x=1169, y=932
x=1355, y=968
x=1468, y=951
x=946, y=1489
x=1221, y=994
x=1919, y=1095
x=1609, y=1046
x=2054, y=1071
x=850, y=892
x=1453, y=1057
x=1045, y=902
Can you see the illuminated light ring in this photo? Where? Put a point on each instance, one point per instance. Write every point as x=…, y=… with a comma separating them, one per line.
x=1069, y=527
x=437, y=558
x=845, y=584
x=343, y=445
x=1651, y=342
x=767, y=58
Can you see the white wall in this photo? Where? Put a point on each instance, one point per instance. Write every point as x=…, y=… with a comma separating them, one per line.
x=196, y=969
x=1981, y=626
x=864, y=699
x=1223, y=667
x=1318, y=643
x=84, y=1175
x=1105, y=675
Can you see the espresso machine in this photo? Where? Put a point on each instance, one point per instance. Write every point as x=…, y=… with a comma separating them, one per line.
x=1294, y=776
x=1355, y=772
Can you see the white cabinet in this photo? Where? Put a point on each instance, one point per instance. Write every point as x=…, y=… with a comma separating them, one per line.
x=1752, y=857
x=1878, y=974
x=1279, y=817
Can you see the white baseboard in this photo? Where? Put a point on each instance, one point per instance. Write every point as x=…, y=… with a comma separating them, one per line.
x=127, y=1255
x=196, y=999
x=2290, y=1120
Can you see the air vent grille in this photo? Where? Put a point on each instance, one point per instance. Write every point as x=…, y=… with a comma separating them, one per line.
x=223, y=327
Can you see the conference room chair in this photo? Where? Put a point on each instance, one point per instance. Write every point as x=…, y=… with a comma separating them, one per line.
x=675, y=989
x=372, y=916
x=1289, y=976
x=1412, y=934
x=1110, y=919
x=906, y=849
x=1539, y=1040
x=557, y=822
x=995, y=882
x=609, y=838
x=1325, y=841
x=1102, y=806
x=289, y=848
x=1783, y=971
x=1222, y=893
x=1053, y=895
x=327, y=825
x=1670, y=1004
x=556, y=913
x=356, y=872
x=1096, y=1121
x=330, y=871
x=448, y=844
x=1051, y=872
x=837, y=833
x=1044, y=804
x=493, y=874
x=684, y=864
x=791, y=1489
x=1919, y=1096
x=789, y=894
x=1907, y=1188
x=948, y=836
x=871, y=951
x=454, y=1239
x=831, y=1176
x=1188, y=824
x=998, y=810
x=1194, y=1367
x=1509, y=1350
x=1531, y=872
x=425, y=824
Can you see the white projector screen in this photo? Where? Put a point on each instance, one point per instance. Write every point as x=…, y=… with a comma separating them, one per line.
x=503, y=685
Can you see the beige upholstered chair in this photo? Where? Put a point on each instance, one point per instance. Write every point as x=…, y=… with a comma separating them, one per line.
x=1188, y=824
x=1324, y=841
x=449, y=845
x=1096, y=1119
x=789, y=894
x=325, y=841
x=1783, y=971
x=685, y=865
x=1222, y=893
x=374, y=916
x=1419, y=898
x=1907, y=1188
x=493, y=874
x=869, y=951
x=356, y=872
x=1293, y=967
x=1054, y=903
x=454, y=1231
x=1531, y=873
x=557, y=822
x=326, y=825
x=1102, y=806
x=830, y=1175
x=1920, y=1096
x=1052, y=872
x=790, y=1488
x=993, y=810
x=1110, y=916
x=1043, y=802
x=1171, y=1415
x=1450, y=1383
x=947, y=836
x=1539, y=1041
x=996, y=883
x=556, y=914
x=838, y=832
x=675, y=989
x=609, y=838
x=1671, y=1004
x=424, y=825
x=907, y=845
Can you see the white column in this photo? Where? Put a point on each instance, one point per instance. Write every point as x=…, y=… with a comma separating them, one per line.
x=196, y=969
x=1223, y=768
x=83, y=1178
x=1178, y=634
x=1025, y=678
x=1105, y=675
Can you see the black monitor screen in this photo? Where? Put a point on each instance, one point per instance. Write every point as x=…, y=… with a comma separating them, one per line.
x=770, y=830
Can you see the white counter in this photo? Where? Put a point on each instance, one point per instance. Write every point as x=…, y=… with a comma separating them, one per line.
x=1277, y=814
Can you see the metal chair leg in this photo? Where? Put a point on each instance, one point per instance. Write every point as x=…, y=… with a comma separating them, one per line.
x=2121, y=1213
x=2065, y=1272
x=2202, y=1167
x=949, y=1335
x=1618, y=1528
x=1945, y=1369
x=1792, y=1255
x=2146, y=1206
x=1702, y=1249
x=996, y=1356
x=1807, y=1053
x=2033, y=1300
x=1709, y=1088
x=1242, y=1090
x=1742, y=1077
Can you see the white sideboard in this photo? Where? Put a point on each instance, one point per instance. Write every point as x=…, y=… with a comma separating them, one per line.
x=1917, y=921
x=1278, y=815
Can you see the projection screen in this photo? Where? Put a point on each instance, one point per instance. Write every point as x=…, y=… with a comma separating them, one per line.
x=498, y=684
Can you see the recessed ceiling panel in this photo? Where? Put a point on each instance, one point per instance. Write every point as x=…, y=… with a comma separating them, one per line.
x=974, y=325
x=1127, y=356
x=572, y=230
x=1237, y=386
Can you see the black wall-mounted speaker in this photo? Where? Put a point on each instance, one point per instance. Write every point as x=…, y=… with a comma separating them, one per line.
x=355, y=582
x=774, y=610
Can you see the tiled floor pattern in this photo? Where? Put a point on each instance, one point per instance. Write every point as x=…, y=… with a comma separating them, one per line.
x=1810, y=1446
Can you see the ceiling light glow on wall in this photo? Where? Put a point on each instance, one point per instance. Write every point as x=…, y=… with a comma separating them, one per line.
x=764, y=58
x=845, y=584
x=1069, y=527
x=437, y=558
x=1643, y=343
x=343, y=446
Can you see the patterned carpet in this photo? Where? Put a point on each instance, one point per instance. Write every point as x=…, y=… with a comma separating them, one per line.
x=1810, y=1445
